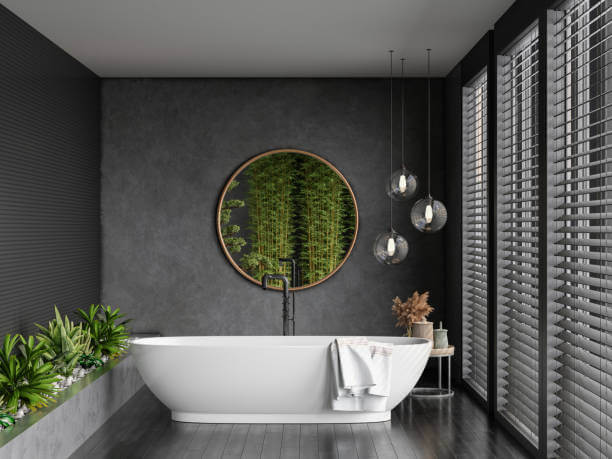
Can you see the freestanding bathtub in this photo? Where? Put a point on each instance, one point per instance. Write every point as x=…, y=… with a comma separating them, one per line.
x=261, y=379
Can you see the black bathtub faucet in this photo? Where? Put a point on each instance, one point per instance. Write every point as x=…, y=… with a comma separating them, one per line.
x=287, y=320
x=294, y=276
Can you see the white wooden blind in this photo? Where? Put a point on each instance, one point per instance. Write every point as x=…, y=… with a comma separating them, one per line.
x=517, y=236
x=580, y=382
x=475, y=229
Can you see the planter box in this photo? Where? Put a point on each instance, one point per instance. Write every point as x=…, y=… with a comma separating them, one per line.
x=58, y=430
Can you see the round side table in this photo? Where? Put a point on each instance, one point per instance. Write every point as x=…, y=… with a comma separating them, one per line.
x=437, y=392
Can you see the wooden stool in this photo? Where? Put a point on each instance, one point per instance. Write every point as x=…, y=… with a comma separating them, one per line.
x=437, y=392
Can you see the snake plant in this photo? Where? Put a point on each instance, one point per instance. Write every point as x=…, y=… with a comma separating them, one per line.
x=24, y=377
x=107, y=337
x=64, y=343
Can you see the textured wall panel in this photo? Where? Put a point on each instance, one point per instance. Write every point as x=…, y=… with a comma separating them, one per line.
x=170, y=145
x=49, y=179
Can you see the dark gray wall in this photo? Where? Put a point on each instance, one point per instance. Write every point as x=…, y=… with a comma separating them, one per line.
x=169, y=146
x=49, y=179
x=453, y=232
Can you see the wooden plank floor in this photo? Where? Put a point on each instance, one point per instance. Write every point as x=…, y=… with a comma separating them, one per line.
x=419, y=429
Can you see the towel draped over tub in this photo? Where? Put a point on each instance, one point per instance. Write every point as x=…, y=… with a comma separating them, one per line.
x=361, y=374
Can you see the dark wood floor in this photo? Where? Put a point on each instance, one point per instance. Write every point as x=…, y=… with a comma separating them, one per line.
x=455, y=428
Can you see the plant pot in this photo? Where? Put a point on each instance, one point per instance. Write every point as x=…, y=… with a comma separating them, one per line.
x=422, y=330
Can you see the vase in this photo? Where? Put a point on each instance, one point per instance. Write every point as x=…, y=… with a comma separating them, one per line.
x=422, y=329
x=440, y=338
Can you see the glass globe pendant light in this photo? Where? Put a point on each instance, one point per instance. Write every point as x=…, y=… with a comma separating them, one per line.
x=402, y=184
x=428, y=215
x=390, y=247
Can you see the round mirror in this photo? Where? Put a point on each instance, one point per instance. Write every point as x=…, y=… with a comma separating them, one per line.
x=285, y=205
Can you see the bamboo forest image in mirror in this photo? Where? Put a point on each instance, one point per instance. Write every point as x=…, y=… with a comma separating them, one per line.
x=287, y=204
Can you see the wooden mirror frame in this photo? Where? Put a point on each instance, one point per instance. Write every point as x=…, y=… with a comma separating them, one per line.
x=242, y=168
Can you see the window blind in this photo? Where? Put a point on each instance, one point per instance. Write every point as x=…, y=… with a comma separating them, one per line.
x=580, y=381
x=517, y=236
x=475, y=228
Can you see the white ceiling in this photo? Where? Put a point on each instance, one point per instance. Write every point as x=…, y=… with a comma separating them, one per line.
x=260, y=38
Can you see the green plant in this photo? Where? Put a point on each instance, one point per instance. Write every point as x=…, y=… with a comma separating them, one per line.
x=63, y=343
x=257, y=265
x=23, y=375
x=271, y=209
x=90, y=360
x=228, y=232
x=326, y=219
x=107, y=337
x=6, y=420
x=298, y=207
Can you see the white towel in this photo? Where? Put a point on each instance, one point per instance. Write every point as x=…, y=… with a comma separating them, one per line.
x=355, y=365
x=381, y=368
x=361, y=374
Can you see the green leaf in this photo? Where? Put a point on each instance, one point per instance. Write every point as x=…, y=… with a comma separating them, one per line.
x=107, y=337
x=62, y=342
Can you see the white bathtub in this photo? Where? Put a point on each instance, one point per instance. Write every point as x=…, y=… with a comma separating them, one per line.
x=261, y=379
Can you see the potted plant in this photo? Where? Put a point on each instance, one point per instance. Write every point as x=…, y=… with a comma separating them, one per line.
x=412, y=314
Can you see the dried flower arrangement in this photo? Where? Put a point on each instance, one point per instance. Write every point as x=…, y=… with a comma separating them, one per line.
x=414, y=309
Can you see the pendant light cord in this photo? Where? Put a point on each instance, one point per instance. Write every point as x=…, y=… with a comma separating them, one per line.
x=403, y=111
x=391, y=130
x=428, y=123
